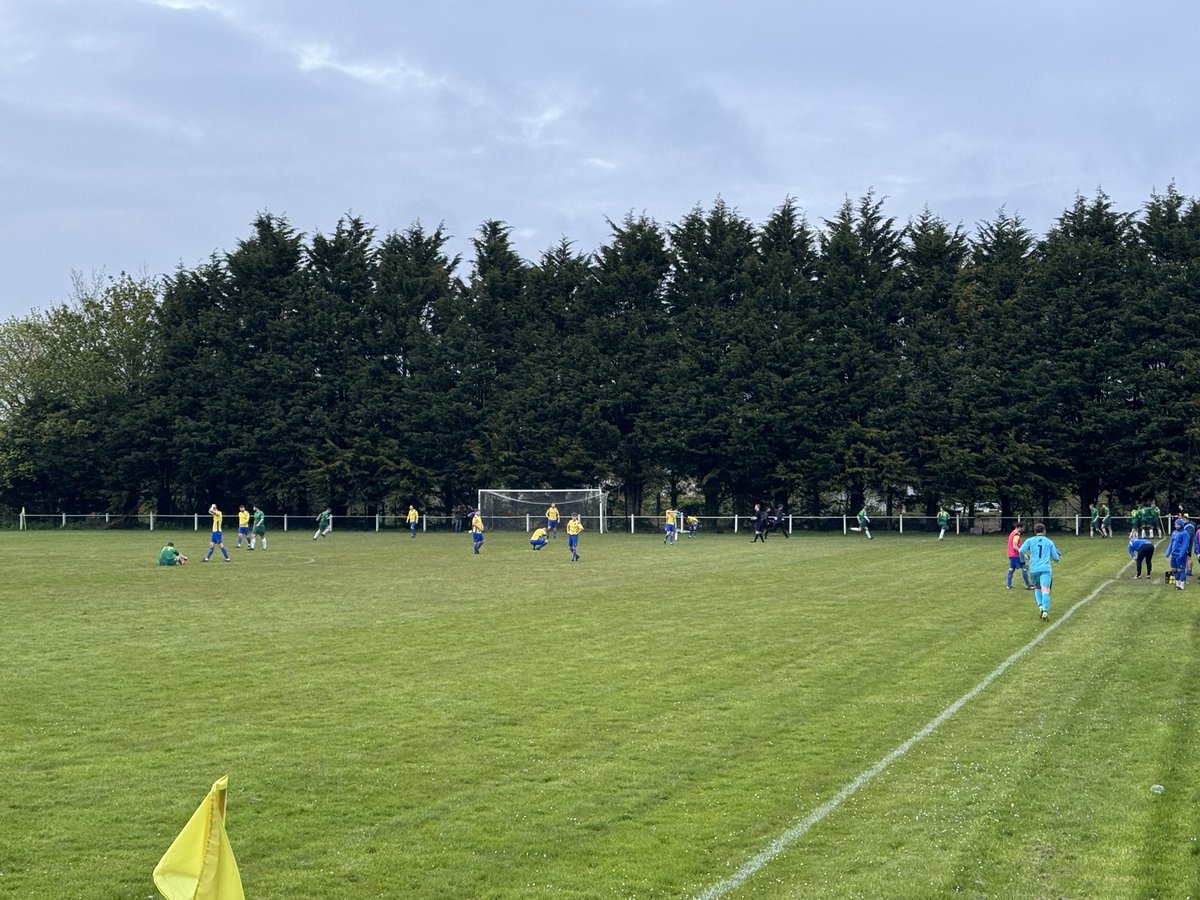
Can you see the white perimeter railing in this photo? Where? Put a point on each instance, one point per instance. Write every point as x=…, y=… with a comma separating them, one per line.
x=983, y=524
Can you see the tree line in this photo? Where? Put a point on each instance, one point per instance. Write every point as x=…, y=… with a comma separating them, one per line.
x=710, y=360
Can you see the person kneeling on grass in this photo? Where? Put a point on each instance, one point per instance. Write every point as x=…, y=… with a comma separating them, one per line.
x=538, y=540
x=170, y=556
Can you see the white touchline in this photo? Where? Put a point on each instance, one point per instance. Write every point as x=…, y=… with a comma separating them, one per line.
x=802, y=826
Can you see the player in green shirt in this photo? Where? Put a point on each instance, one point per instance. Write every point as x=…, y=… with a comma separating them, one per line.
x=1095, y=523
x=324, y=523
x=864, y=523
x=260, y=528
x=943, y=522
x=170, y=556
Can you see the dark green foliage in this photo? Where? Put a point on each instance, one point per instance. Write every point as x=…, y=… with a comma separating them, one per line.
x=714, y=362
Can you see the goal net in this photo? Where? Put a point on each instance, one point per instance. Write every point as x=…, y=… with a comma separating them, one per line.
x=522, y=510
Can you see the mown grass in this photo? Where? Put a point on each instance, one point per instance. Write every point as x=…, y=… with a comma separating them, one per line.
x=401, y=718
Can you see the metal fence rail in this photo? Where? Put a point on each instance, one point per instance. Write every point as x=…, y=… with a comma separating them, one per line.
x=730, y=524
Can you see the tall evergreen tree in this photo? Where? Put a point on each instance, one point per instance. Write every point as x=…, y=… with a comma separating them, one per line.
x=494, y=335
x=1090, y=268
x=266, y=380
x=627, y=325
x=1154, y=448
x=714, y=396
x=858, y=314
x=929, y=356
x=990, y=445
x=785, y=296
x=547, y=397
x=421, y=454
x=342, y=465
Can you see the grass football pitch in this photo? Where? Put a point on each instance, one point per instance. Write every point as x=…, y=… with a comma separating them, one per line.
x=816, y=717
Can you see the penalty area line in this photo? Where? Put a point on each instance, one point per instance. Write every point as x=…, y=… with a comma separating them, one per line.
x=802, y=826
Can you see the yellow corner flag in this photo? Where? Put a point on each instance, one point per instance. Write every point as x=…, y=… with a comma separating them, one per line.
x=199, y=864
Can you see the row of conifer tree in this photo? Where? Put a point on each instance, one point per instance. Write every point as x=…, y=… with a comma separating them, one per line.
x=711, y=361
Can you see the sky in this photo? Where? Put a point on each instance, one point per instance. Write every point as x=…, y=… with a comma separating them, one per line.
x=140, y=136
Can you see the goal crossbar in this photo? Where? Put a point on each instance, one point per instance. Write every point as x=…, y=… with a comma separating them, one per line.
x=520, y=508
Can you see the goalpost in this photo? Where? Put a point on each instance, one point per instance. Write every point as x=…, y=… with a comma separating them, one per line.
x=520, y=509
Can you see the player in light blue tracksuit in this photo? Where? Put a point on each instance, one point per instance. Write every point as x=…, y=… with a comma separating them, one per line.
x=1177, y=552
x=1039, y=551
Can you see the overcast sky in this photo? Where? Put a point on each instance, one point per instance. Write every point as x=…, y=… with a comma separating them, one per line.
x=139, y=135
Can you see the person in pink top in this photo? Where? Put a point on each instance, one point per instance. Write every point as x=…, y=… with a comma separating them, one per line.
x=1014, y=557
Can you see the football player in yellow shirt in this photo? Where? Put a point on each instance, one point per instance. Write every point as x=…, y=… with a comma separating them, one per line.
x=243, y=526
x=573, y=528
x=215, y=541
x=477, y=530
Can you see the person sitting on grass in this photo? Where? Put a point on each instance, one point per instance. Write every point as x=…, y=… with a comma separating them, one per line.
x=170, y=556
x=538, y=540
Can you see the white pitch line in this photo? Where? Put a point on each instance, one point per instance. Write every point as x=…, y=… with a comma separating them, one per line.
x=802, y=826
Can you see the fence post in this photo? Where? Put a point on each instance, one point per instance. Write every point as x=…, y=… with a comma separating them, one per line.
x=64, y=525
x=285, y=521
x=376, y=522
x=631, y=523
x=902, y=523
x=151, y=521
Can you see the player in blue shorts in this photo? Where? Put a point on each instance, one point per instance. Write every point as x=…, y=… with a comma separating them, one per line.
x=215, y=541
x=243, y=526
x=1177, y=552
x=538, y=539
x=669, y=530
x=574, y=527
x=1015, y=563
x=1039, y=551
x=477, y=530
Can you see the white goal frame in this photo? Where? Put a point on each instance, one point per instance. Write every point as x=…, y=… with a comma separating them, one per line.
x=520, y=507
